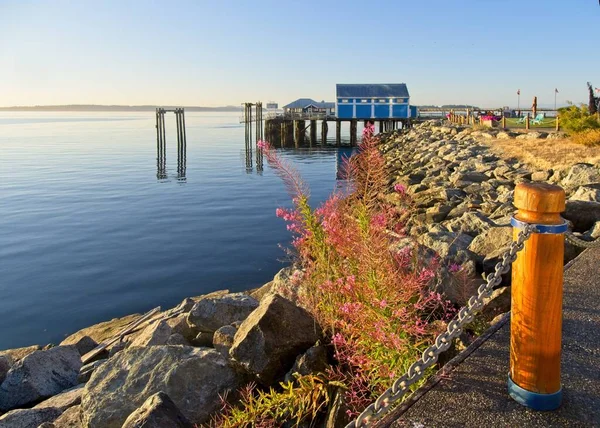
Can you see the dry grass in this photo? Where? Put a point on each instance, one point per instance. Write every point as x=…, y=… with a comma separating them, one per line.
x=545, y=154
x=591, y=137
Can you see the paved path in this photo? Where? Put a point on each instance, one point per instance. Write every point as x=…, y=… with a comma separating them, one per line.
x=474, y=392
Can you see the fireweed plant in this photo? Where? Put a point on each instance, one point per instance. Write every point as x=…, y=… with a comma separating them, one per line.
x=368, y=292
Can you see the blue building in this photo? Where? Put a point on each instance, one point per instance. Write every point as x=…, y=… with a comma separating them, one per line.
x=373, y=101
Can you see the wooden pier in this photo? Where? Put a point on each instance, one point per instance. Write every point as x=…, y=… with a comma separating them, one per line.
x=290, y=129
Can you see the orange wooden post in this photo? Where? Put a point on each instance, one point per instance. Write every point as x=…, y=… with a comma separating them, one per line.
x=527, y=122
x=503, y=121
x=536, y=308
x=557, y=124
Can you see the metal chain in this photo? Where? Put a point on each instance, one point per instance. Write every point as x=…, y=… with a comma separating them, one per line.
x=580, y=242
x=430, y=356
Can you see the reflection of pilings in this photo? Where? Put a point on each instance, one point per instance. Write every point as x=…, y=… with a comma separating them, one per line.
x=259, y=160
x=161, y=158
x=338, y=132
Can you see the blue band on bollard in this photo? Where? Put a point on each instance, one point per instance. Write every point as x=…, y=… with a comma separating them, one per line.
x=534, y=400
x=548, y=229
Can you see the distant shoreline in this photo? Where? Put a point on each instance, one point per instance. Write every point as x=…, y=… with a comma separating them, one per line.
x=93, y=107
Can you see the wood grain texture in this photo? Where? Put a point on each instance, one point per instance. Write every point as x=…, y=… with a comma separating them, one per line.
x=537, y=282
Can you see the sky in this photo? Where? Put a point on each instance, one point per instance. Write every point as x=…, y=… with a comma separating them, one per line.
x=225, y=52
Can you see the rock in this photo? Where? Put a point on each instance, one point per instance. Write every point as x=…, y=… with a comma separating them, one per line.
x=5, y=365
x=261, y=292
x=492, y=243
x=86, y=371
x=594, y=232
x=502, y=135
x=28, y=418
x=337, y=416
x=497, y=303
x=212, y=313
x=313, y=361
x=437, y=213
x=448, y=245
x=117, y=347
x=582, y=214
x=64, y=400
x=203, y=339
x=469, y=176
x=589, y=193
x=192, y=377
x=85, y=345
x=541, y=175
x=156, y=333
x=269, y=340
x=71, y=418
x=158, y=411
x=17, y=354
x=39, y=375
x=47, y=425
x=180, y=326
x=177, y=339
x=471, y=223
x=223, y=339
x=102, y=331
x=581, y=174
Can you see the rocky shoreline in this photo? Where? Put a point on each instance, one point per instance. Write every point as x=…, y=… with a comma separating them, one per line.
x=172, y=370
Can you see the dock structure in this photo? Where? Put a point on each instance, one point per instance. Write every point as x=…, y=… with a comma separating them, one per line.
x=161, y=142
x=388, y=104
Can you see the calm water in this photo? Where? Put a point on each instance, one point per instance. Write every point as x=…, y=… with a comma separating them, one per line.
x=90, y=230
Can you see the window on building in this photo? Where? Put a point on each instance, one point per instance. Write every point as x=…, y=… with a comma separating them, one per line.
x=400, y=100
x=364, y=100
x=383, y=100
x=345, y=101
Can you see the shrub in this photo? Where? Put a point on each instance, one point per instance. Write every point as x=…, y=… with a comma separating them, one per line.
x=577, y=119
x=591, y=137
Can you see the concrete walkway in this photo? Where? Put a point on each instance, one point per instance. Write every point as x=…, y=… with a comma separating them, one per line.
x=472, y=390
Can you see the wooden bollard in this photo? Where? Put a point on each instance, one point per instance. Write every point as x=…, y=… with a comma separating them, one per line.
x=503, y=121
x=536, y=307
x=527, y=122
x=557, y=124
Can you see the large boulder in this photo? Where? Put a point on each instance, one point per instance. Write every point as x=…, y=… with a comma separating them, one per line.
x=492, y=243
x=268, y=341
x=64, y=400
x=582, y=214
x=102, y=331
x=5, y=365
x=71, y=418
x=156, y=333
x=450, y=246
x=17, y=354
x=212, y=313
x=85, y=345
x=39, y=375
x=29, y=418
x=589, y=193
x=179, y=325
x=192, y=377
x=158, y=411
x=313, y=361
x=471, y=223
x=223, y=339
x=581, y=174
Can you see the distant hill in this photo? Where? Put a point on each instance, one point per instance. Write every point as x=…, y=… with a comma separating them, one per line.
x=93, y=107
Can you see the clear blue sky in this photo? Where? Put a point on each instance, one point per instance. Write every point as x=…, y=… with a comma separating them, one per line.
x=222, y=52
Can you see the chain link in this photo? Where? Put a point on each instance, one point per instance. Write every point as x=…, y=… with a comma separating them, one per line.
x=580, y=242
x=430, y=356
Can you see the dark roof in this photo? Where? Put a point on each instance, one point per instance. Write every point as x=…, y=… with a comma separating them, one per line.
x=372, y=90
x=301, y=103
x=305, y=102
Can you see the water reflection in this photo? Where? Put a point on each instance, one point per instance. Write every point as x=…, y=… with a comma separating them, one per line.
x=161, y=160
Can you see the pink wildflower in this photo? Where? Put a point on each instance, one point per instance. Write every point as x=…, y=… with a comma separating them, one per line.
x=454, y=267
x=400, y=188
x=262, y=144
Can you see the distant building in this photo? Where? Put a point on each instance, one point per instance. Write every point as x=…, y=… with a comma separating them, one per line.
x=373, y=101
x=272, y=105
x=308, y=105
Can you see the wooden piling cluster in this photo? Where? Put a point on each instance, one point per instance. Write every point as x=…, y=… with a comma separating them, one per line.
x=161, y=142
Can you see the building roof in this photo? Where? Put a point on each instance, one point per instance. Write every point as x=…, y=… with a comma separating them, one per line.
x=305, y=102
x=372, y=90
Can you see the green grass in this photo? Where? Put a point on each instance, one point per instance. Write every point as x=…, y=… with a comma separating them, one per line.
x=549, y=122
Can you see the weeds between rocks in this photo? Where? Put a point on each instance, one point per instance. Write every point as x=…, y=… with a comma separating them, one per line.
x=372, y=300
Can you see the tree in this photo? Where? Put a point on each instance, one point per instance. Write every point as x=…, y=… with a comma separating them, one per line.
x=593, y=103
